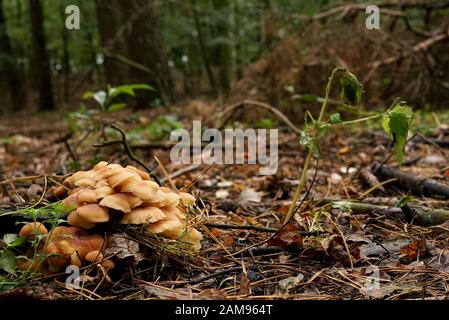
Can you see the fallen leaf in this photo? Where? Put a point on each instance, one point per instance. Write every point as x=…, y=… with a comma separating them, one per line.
x=287, y=284
x=249, y=195
x=123, y=248
x=289, y=236
x=244, y=288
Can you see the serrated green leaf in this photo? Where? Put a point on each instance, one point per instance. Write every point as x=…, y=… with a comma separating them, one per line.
x=350, y=88
x=335, y=118
x=396, y=123
x=8, y=261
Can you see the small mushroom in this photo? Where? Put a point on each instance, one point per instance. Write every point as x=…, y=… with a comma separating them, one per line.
x=70, y=203
x=30, y=230
x=121, y=178
x=142, y=174
x=86, y=182
x=69, y=245
x=145, y=190
x=94, y=256
x=93, y=213
x=187, y=198
x=169, y=199
x=87, y=195
x=74, y=219
x=142, y=216
x=103, y=191
x=121, y=202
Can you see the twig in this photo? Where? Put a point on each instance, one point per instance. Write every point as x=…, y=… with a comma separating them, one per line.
x=215, y=274
x=129, y=152
x=181, y=172
x=242, y=227
x=226, y=114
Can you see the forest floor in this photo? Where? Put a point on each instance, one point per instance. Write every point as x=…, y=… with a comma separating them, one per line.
x=335, y=248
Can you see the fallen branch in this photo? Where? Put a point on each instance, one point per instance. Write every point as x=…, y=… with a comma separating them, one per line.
x=415, y=184
x=227, y=113
x=412, y=213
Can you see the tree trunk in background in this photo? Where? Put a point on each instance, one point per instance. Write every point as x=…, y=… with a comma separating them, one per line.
x=65, y=52
x=224, y=50
x=8, y=65
x=108, y=17
x=199, y=30
x=41, y=60
x=145, y=46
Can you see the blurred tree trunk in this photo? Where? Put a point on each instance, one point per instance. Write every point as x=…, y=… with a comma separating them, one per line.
x=202, y=46
x=8, y=65
x=224, y=47
x=145, y=46
x=108, y=17
x=65, y=52
x=41, y=60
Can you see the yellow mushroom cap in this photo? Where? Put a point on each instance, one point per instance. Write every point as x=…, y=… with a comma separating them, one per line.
x=121, y=201
x=145, y=190
x=103, y=191
x=169, y=199
x=87, y=195
x=94, y=256
x=187, y=198
x=70, y=203
x=142, y=174
x=74, y=219
x=193, y=237
x=142, y=215
x=93, y=213
x=121, y=178
x=86, y=182
x=30, y=230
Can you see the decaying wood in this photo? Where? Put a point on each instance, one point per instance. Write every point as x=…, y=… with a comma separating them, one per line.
x=415, y=184
x=416, y=214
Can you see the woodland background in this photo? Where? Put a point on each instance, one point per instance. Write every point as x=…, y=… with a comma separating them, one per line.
x=275, y=51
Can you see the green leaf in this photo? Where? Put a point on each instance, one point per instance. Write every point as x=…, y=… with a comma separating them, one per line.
x=12, y=240
x=350, y=88
x=308, y=142
x=342, y=205
x=396, y=123
x=8, y=261
x=115, y=107
x=9, y=238
x=128, y=89
x=335, y=118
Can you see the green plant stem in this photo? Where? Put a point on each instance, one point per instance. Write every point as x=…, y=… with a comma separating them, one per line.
x=328, y=91
x=302, y=182
x=305, y=169
x=376, y=116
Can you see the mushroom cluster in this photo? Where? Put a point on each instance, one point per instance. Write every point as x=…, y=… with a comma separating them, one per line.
x=110, y=192
x=62, y=247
